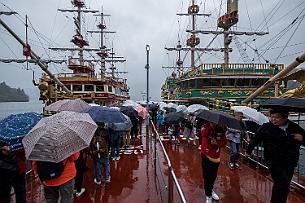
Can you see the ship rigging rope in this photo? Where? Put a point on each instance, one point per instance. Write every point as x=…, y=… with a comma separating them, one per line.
x=24, y=67
x=290, y=38
x=284, y=31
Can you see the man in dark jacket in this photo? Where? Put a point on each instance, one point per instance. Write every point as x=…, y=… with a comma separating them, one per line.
x=281, y=140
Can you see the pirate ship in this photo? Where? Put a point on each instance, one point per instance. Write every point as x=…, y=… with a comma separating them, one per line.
x=218, y=85
x=81, y=80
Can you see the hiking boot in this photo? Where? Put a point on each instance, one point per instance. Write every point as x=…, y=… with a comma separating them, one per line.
x=78, y=194
x=209, y=200
x=231, y=165
x=215, y=196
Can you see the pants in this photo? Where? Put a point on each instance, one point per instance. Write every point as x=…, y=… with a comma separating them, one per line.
x=234, y=152
x=209, y=172
x=115, y=144
x=79, y=180
x=9, y=180
x=281, y=176
x=65, y=191
x=98, y=163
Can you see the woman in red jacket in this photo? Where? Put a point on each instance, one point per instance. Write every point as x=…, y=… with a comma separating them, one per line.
x=213, y=139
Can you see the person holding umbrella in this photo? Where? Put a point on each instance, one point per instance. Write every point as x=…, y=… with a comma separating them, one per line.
x=234, y=138
x=281, y=140
x=213, y=139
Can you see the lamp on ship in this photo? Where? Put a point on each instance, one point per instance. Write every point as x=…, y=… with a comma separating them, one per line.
x=147, y=87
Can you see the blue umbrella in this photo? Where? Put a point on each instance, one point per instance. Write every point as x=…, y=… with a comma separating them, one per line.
x=104, y=114
x=14, y=127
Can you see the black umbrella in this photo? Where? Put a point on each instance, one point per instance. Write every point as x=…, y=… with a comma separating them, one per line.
x=174, y=117
x=169, y=109
x=220, y=118
x=130, y=112
x=290, y=104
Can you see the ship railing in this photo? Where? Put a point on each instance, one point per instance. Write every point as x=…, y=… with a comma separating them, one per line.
x=172, y=178
x=239, y=67
x=257, y=157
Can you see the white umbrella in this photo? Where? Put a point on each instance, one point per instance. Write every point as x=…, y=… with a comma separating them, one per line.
x=76, y=105
x=251, y=114
x=194, y=107
x=181, y=108
x=59, y=136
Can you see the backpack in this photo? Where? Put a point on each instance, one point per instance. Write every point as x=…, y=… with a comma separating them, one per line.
x=50, y=170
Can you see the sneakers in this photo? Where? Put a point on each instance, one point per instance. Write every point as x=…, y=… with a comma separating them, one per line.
x=199, y=148
x=236, y=165
x=208, y=200
x=215, y=196
x=97, y=182
x=117, y=158
x=107, y=180
x=231, y=165
x=78, y=194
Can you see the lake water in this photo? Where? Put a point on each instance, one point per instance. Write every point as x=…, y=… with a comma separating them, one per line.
x=8, y=108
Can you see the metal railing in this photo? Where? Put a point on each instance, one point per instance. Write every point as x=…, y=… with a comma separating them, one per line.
x=257, y=157
x=172, y=179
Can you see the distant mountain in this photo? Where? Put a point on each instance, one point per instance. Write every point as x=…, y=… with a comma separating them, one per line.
x=8, y=94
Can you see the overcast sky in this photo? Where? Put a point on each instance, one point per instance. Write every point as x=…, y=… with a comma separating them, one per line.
x=141, y=22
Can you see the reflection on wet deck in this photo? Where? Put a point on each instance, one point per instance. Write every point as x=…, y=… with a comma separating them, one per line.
x=133, y=179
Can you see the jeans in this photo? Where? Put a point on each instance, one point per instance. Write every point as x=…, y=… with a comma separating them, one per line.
x=209, y=172
x=65, y=191
x=281, y=176
x=103, y=161
x=19, y=188
x=234, y=152
x=115, y=143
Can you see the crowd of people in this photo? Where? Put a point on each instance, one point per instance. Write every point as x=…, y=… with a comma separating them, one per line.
x=281, y=141
x=62, y=181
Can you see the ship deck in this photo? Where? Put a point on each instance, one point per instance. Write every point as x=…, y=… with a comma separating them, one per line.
x=143, y=177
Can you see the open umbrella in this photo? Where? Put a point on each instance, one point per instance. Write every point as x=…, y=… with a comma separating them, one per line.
x=194, y=107
x=59, y=136
x=105, y=114
x=76, y=105
x=220, y=118
x=130, y=112
x=14, y=127
x=181, y=108
x=174, y=117
x=291, y=104
x=121, y=126
x=251, y=114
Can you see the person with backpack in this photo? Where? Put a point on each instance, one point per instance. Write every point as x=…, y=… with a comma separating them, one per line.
x=57, y=178
x=99, y=150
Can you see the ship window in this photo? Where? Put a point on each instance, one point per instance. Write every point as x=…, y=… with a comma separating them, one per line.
x=228, y=82
x=68, y=87
x=215, y=82
x=77, y=88
x=241, y=82
x=192, y=84
x=100, y=88
x=109, y=88
x=89, y=88
x=257, y=82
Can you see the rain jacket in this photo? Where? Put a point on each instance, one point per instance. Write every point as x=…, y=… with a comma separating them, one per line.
x=280, y=148
x=212, y=151
x=68, y=173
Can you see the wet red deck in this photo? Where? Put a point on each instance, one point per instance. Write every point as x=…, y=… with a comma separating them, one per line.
x=134, y=179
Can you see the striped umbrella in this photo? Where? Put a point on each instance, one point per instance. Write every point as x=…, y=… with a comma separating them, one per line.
x=59, y=136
